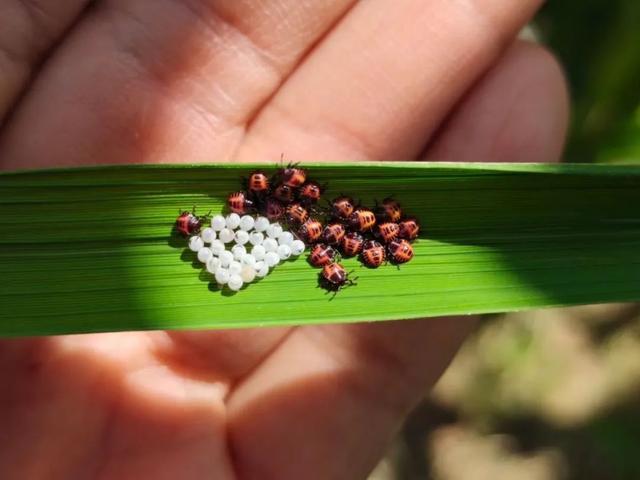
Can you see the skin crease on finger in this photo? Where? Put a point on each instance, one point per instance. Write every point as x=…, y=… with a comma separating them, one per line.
x=140, y=409
x=29, y=30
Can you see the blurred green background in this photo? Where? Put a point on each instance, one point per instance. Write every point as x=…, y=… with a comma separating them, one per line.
x=598, y=42
x=553, y=394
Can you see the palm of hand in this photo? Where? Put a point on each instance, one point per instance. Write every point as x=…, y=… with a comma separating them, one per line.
x=199, y=80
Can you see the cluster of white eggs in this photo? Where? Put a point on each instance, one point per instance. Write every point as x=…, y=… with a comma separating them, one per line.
x=257, y=246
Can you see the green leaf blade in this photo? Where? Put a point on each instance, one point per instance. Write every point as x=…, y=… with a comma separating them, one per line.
x=90, y=249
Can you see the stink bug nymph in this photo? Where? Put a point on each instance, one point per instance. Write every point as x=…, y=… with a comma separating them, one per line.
x=373, y=254
x=293, y=176
x=387, y=231
x=400, y=251
x=297, y=214
x=188, y=224
x=409, y=228
x=333, y=233
x=310, y=231
x=351, y=244
x=321, y=255
x=258, y=183
x=283, y=193
x=310, y=192
x=389, y=211
x=342, y=207
x=239, y=203
x=362, y=220
x=334, y=277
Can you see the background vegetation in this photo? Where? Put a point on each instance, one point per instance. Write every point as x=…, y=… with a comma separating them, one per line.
x=598, y=42
x=550, y=395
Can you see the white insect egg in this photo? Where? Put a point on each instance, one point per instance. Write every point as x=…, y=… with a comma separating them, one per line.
x=213, y=264
x=208, y=235
x=232, y=221
x=274, y=230
x=262, y=269
x=226, y=235
x=258, y=252
x=218, y=223
x=242, y=237
x=261, y=224
x=235, y=283
x=222, y=275
x=297, y=247
x=217, y=247
x=271, y=259
x=204, y=254
x=248, y=259
x=285, y=238
x=256, y=238
x=235, y=268
x=284, y=252
x=195, y=244
x=226, y=258
x=270, y=245
x=238, y=251
x=248, y=274
x=247, y=222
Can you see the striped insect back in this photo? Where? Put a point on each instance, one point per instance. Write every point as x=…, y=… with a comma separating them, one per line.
x=387, y=231
x=321, y=255
x=283, y=193
x=188, y=224
x=297, y=214
x=310, y=192
x=400, y=251
x=311, y=230
x=342, y=207
x=334, y=277
x=352, y=244
x=292, y=176
x=389, y=210
x=373, y=254
x=362, y=220
x=258, y=182
x=334, y=273
x=334, y=233
x=409, y=228
x=239, y=203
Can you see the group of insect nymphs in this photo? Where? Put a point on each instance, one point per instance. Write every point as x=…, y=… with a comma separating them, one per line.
x=341, y=228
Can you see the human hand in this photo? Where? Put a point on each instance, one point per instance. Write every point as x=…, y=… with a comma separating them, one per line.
x=201, y=80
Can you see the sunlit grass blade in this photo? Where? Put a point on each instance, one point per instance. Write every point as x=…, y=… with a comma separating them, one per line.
x=91, y=249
